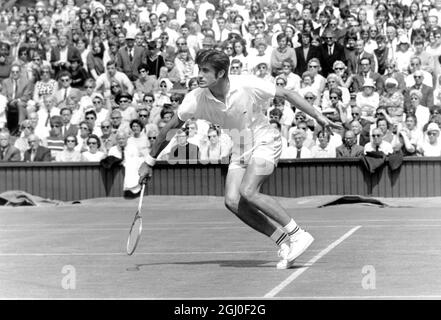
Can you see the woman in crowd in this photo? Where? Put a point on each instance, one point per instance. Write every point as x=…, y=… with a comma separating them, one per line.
x=95, y=62
x=185, y=65
x=138, y=138
x=69, y=153
x=46, y=85
x=21, y=143
x=94, y=154
x=368, y=100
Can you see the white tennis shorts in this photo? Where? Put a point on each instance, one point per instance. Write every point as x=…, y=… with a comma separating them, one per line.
x=259, y=144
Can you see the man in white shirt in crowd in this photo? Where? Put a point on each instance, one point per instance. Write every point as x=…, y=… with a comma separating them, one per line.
x=377, y=143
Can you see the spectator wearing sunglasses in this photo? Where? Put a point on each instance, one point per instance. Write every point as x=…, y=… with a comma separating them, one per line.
x=65, y=90
x=108, y=138
x=124, y=103
x=94, y=154
x=427, y=99
x=430, y=145
x=145, y=83
x=377, y=143
x=69, y=153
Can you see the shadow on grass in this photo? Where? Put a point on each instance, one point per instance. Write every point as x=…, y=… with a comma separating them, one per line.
x=222, y=263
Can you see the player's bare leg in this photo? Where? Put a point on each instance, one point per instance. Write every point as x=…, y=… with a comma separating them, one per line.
x=249, y=214
x=255, y=175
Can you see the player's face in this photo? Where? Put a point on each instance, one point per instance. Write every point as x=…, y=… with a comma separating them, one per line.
x=207, y=76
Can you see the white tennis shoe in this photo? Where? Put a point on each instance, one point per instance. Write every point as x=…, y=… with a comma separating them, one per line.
x=298, y=244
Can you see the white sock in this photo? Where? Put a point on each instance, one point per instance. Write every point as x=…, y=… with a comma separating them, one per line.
x=279, y=236
x=291, y=228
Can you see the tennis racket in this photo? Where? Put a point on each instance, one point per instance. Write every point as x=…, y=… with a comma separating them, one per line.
x=136, y=228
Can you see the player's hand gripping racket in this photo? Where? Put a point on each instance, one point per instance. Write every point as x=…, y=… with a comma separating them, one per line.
x=136, y=228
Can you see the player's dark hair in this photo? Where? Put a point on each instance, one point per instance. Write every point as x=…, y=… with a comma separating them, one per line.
x=216, y=59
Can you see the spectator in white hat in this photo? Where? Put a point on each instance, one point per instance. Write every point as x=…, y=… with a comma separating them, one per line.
x=430, y=145
x=368, y=100
x=414, y=66
x=403, y=54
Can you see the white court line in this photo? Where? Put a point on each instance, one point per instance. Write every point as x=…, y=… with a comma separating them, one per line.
x=217, y=228
x=320, y=255
x=136, y=254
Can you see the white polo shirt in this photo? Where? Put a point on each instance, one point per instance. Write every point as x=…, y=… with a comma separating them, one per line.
x=242, y=110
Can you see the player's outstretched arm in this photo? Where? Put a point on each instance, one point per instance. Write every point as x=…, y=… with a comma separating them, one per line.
x=299, y=102
x=145, y=171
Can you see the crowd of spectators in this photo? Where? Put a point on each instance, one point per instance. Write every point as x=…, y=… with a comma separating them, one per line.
x=84, y=79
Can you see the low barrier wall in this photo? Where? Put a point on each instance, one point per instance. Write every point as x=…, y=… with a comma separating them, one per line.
x=417, y=177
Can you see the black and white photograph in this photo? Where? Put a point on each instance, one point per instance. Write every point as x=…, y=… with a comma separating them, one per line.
x=220, y=158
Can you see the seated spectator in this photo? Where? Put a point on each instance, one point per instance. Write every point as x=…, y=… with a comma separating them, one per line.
x=68, y=128
x=349, y=148
x=124, y=103
x=236, y=67
x=18, y=90
x=421, y=112
x=101, y=112
x=298, y=150
x=336, y=106
x=90, y=118
x=86, y=98
x=292, y=80
x=411, y=135
x=69, y=153
x=183, y=150
x=22, y=142
x=36, y=152
x=77, y=111
x=318, y=81
x=368, y=100
x=193, y=83
x=78, y=73
x=46, y=86
x=162, y=96
x=65, y=90
x=430, y=145
x=8, y=153
x=393, y=73
x=377, y=143
x=85, y=130
x=214, y=151
x=171, y=72
x=95, y=58
x=323, y=149
x=116, y=122
x=185, y=65
x=334, y=81
x=262, y=71
x=131, y=161
x=138, y=137
x=426, y=91
x=108, y=139
x=94, y=154
x=55, y=141
x=145, y=83
x=386, y=129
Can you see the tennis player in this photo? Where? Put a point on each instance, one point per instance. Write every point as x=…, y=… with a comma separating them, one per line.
x=235, y=103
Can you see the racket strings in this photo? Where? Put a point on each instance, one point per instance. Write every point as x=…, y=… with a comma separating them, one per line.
x=134, y=235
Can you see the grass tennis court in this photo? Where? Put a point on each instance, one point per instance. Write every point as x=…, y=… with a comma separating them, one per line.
x=193, y=248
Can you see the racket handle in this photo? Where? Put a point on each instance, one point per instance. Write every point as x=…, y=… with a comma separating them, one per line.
x=141, y=196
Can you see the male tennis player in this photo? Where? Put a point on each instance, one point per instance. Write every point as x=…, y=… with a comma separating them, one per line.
x=235, y=103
